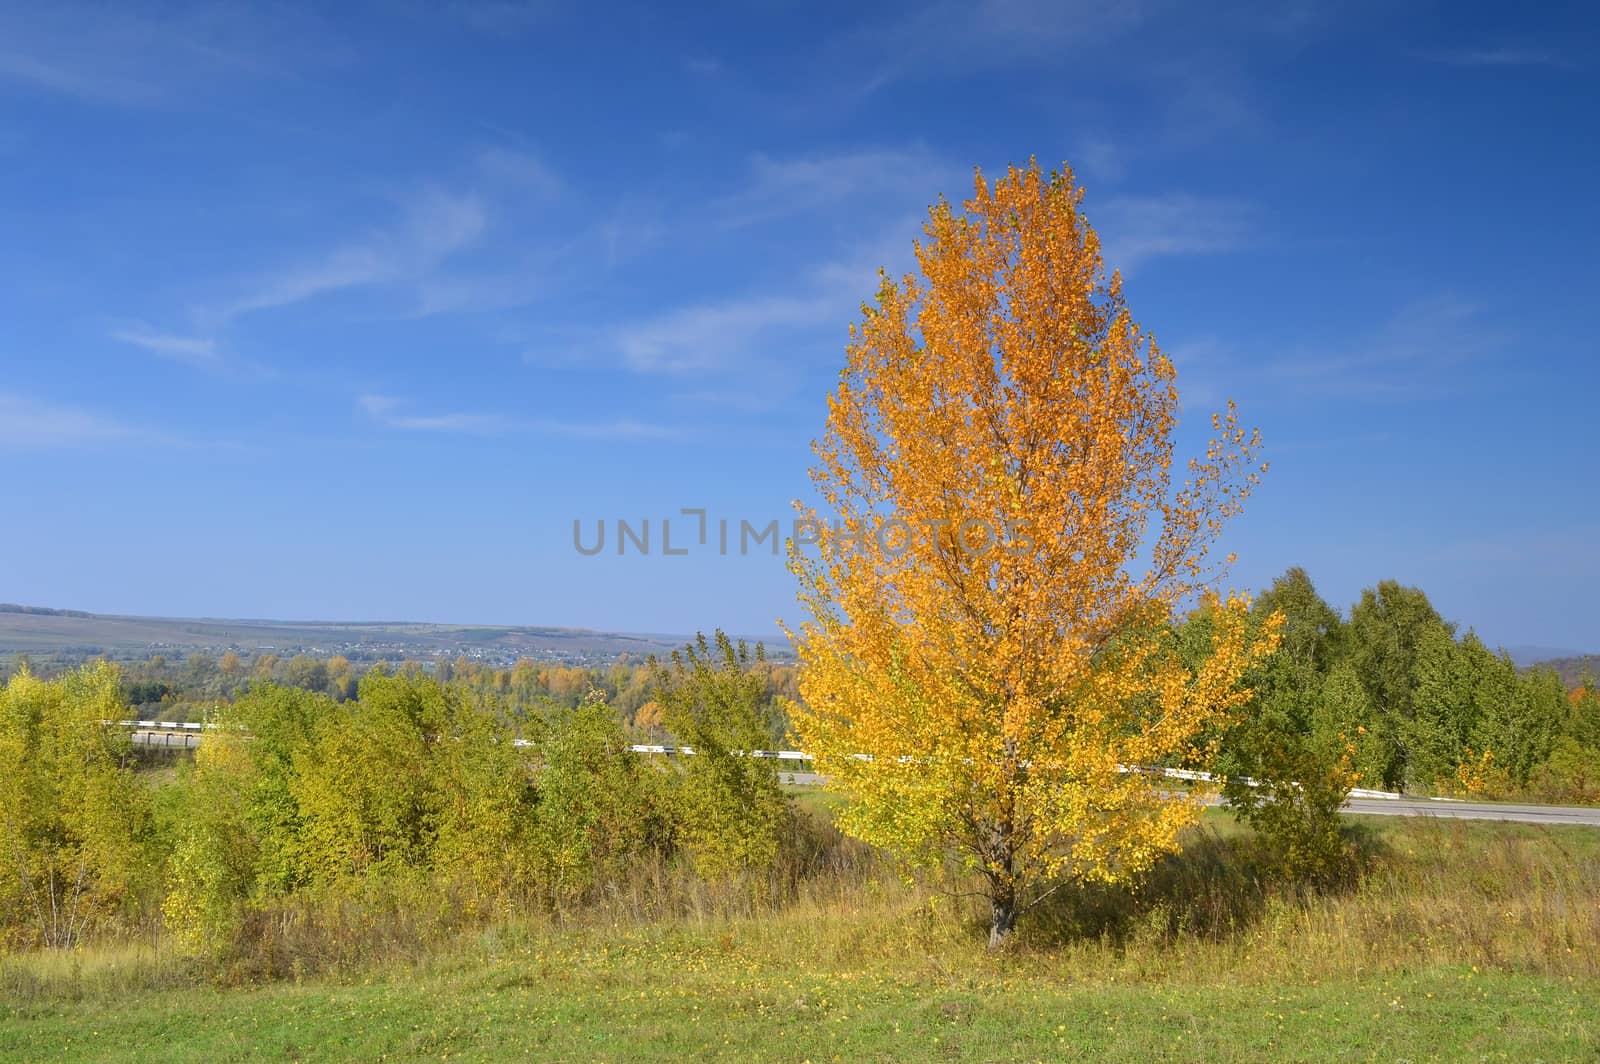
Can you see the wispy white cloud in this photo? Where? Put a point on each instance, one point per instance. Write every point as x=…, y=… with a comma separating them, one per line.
x=27, y=423
x=896, y=179
x=56, y=76
x=198, y=351
x=836, y=189
x=961, y=36
x=393, y=413
x=424, y=254
x=1201, y=364
x=521, y=170
x=1427, y=348
x=437, y=224
x=1147, y=77
x=1424, y=349
x=1099, y=158
x=473, y=293
x=632, y=230
x=617, y=429
x=517, y=185
x=1137, y=229
x=763, y=326
x=761, y=329
x=114, y=54
x=419, y=255
x=710, y=335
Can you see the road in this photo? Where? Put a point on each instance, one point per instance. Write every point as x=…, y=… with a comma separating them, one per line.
x=1527, y=814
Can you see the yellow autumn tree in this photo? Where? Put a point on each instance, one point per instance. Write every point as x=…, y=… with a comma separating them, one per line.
x=999, y=547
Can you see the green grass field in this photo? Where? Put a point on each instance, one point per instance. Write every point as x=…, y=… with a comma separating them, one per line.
x=699, y=1000
x=1461, y=942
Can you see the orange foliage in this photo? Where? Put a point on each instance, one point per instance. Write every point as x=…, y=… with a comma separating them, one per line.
x=1000, y=546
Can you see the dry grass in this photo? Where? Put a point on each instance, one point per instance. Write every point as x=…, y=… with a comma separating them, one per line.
x=1423, y=894
x=1448, y=940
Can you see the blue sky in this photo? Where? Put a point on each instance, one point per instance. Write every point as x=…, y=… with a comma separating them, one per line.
x=349, y=311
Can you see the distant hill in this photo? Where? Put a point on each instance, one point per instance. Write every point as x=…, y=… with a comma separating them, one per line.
x=1527, y=655
x=1572, y=670
x=71, y=634
x=42, y=611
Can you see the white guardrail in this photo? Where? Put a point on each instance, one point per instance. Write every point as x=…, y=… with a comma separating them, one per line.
x=182, y=734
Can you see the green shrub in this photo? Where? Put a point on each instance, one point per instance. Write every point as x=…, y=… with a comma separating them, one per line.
x=593, y=810
x=731, y=814
x=75, y=825
x=1300, y=783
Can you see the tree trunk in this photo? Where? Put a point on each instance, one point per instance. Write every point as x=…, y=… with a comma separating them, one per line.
x=1002, y=911
x=1002, y=868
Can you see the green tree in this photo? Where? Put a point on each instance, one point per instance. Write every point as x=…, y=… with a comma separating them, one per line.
x=1386, y=630
x=1445, y=702
x=1518, y=718
x=363, y=787
x=1291, y=747
x=1345, y=710
x=732, y=814
x=278, y=727
x=239, y=826
x=306, y=672
x=200, y=675
x=1312, y=631
x=594, y=811
x=1583, y=718
x=75, y=838
x=216, y=862
x=484, y=800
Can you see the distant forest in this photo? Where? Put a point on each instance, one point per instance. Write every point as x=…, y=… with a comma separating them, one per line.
x=193, y=687
x=1408, y=700
x=41, y=611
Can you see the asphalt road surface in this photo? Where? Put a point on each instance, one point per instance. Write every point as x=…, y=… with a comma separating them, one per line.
x=1528, y=814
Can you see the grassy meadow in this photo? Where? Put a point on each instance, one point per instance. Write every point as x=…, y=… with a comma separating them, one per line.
x=1450, y=941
